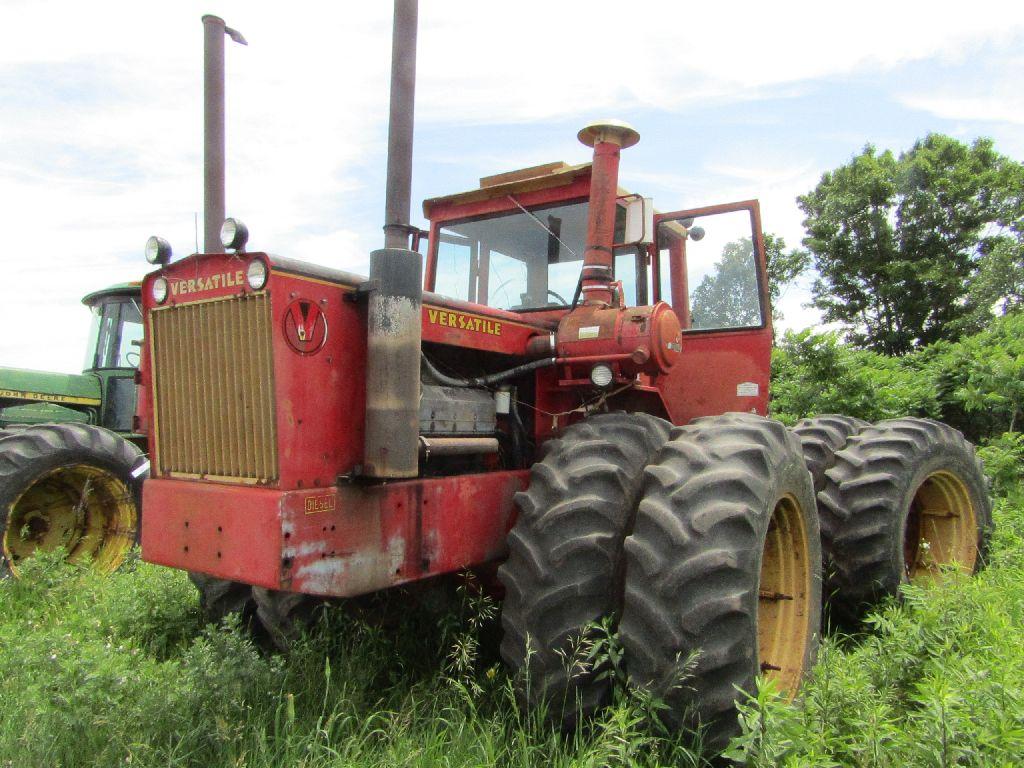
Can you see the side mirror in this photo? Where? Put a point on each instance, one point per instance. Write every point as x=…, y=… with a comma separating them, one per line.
x=639, y=221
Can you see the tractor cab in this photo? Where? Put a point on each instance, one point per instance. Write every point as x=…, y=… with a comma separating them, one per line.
x=517, y=244
x=104, y=393
x=114, y=350
x=529, y=259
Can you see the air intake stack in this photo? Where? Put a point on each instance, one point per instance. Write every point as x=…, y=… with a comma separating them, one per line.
x=607, y=137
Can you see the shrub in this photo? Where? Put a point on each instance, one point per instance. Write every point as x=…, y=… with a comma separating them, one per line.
x=817, y=373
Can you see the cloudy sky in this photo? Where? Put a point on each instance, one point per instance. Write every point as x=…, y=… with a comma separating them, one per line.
x=101, y=118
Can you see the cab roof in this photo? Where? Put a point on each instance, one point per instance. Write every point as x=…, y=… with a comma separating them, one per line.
x=536, y=177
x=133, y=288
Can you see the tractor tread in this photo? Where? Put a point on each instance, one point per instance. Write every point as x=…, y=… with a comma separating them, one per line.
x=865, y=500
x=693, y=566
x=564, y=567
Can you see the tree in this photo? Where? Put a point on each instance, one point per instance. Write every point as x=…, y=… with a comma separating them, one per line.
x=897, y=242
x=728, y=297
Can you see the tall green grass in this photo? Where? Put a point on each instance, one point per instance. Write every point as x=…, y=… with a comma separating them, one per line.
x=120, y=671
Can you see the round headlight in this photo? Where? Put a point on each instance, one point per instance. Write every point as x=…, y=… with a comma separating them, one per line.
x=158, y=250
x=256, y=274
x=159, y=290
x=601, y=375
x=233, y=234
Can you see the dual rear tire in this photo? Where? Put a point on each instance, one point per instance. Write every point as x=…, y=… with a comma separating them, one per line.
x=705, y=555
x=905, y=500
x=703, y=548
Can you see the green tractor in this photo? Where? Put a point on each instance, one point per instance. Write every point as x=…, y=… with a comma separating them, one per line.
x=71, y=460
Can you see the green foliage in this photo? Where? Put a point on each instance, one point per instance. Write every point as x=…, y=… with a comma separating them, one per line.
x=817, y=373
x=939, y=681
x=975, y=384
x=897, y=242
x=1003, y=457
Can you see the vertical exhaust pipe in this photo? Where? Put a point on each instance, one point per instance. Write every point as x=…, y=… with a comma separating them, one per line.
x=394, y=313
x=607, y=138
x=214, y=30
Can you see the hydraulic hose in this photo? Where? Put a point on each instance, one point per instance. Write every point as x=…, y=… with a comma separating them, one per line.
x=484, y=381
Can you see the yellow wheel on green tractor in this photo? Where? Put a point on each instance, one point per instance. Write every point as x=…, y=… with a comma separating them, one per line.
x=68, y=486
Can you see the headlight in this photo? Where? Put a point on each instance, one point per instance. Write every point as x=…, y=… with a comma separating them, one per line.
x=256, y=274
x=601, y=375
x=159, y=290
x=234, y=234
x=158, y=250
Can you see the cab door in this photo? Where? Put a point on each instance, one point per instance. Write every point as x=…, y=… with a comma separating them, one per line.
x=710, y=267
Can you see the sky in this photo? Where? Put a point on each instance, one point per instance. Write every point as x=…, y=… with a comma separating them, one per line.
x=101, y=119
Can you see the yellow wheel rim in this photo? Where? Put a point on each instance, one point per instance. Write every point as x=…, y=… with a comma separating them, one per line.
x=87, y=510
x=942, y=528
x=783, y=598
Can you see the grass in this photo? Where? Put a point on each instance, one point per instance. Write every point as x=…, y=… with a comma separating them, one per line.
x=120, y=671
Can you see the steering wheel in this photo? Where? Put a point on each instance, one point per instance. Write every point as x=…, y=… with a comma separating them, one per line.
x=558, y=296
x=132, y=354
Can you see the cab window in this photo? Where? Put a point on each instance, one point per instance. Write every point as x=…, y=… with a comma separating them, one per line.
x=721, y=269
x=116, y=336
x=525, y=260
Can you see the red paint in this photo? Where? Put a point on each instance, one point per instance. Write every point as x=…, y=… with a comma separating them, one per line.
x=308, y=533
x=597, y=258
x=342, y=541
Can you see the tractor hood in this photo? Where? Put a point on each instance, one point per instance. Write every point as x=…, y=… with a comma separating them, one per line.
x=43, y=386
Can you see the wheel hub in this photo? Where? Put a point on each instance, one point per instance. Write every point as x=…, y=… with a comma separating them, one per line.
x=941, y=528
x=783, y=594
x=85, y=509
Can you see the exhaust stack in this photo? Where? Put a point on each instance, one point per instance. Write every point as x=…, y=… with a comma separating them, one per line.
x=214, y=30
x=607, y=137
x=394, y=314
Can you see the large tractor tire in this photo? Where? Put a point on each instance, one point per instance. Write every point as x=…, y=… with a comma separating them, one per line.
x=820, y=437
x=220, y=598
x=723, y=572
x=70, y=486
x=565, y=565
x=905, y=500
x=284, y=616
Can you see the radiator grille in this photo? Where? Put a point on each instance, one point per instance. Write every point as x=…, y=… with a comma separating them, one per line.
x=214, y=401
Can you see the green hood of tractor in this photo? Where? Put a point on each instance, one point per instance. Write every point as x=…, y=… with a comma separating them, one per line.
x=45, y=387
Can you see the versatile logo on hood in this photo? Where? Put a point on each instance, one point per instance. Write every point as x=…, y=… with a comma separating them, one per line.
x=305, y=327
x=208, y=283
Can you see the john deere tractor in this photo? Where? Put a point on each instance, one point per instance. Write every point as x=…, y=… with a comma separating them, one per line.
x=71, y=460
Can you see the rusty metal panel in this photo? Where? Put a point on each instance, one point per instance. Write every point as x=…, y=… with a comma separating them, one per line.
x=341, y=541
x=213, y=389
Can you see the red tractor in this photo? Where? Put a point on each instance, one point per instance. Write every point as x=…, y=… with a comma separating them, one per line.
x=511, y=400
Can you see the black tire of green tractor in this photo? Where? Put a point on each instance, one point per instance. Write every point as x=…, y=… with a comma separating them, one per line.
x=220, y=598
x=905, y=499
x=284, y=616
x=565, y=567
x=820, y=437
x=69, y=485
x=723, y=572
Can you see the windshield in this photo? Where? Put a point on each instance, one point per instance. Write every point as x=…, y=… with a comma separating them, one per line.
x=115, y=338
x=514, y=260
